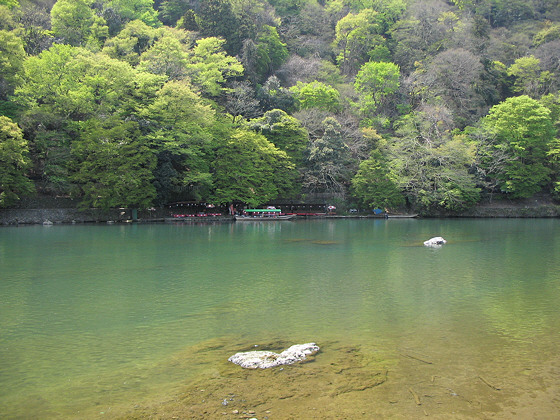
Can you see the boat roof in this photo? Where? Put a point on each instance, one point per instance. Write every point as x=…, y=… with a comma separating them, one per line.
x=262, y=210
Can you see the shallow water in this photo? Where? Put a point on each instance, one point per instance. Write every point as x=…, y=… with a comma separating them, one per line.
x=97, y=321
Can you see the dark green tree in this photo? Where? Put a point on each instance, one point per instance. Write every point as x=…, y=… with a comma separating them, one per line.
x=271, y=52
x=374, y=186
x=180, y=136
x=248, y=168
x=217, y=19
x=284, y=131
x=112, y=166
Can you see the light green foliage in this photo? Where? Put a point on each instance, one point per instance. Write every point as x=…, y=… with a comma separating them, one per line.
x=67, y=86
x=248, y=168
x=316, y=95
x=7, y=19
x=14, y=162
x=135, y=38
x=129, y=10
x=284, y=131
x=112, y=166
x=376, y=81
x=73, y=21
x=528, y=77
x=12, y=56
x=209, y=66
x=373, y=185
x=166, y=57
x=75, y=83
x=390, y=9
x=356, y=36
x=549, y=33
x=431, y=165
x=523, y=128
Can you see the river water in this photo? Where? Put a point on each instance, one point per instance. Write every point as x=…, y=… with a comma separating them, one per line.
x=111, y=321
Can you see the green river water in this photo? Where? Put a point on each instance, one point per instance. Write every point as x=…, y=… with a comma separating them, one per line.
x=111, y=321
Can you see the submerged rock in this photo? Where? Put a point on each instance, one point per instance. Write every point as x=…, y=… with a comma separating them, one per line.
x=268, y=359
x=435, y=242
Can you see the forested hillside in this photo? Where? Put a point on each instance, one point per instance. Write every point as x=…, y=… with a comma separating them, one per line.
x=135, y=103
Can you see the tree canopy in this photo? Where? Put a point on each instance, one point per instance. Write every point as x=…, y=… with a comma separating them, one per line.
x=141, y=103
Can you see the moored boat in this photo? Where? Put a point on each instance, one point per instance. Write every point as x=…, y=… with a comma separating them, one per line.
x=254, y=215
x=401, y=216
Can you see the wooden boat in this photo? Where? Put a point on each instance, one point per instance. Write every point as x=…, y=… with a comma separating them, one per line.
x=256, y=215
x=401, y=216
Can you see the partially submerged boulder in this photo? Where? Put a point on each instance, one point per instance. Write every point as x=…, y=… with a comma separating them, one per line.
x=435, y=242
x=268, y=359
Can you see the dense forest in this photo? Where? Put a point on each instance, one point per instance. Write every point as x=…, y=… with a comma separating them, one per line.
x=430, y=104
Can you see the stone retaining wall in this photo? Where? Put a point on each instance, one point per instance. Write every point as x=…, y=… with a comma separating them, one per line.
x=70, y=215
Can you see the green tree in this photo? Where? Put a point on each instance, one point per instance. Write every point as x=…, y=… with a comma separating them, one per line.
x=134, y=39
x=112, y=166
x=284, y=131
x=65, y=86
x=248, y=168
x=549, y=33
x=166, y=57
x=373, y=185
x=523, y=128
x=172, y=10
x=316, y=95
x=217, y=19
x=357, y=36
x=13, y=163
x=273, y=96
x=528, y=77
x=375, y=82
x=431, y=165
x=180, y=136
x=209, y=66
x=12, y=56
x=326, y=168
x=271, y=52
x=75, y=23
x=128, y=10
x=10, y=4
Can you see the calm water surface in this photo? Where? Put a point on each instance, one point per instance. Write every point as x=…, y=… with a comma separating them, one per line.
x=98, y=318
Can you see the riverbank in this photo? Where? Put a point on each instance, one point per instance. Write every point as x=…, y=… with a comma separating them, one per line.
x=38, y=210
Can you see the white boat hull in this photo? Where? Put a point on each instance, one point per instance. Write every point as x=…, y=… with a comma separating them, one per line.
x=263, y=219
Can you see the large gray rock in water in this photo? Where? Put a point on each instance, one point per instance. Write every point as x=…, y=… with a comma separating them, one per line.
x=435, y=242
x=268, y=359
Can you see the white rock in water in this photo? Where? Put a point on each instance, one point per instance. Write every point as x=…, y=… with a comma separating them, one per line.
x=435, y=242
x=268, y=359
